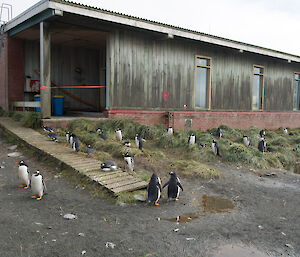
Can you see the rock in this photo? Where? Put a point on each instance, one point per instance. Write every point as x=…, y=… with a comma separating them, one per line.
x=260, y=227
x=2, y=167
x=53, y=240
x=81, y=234
x=110, y=245
x=38, y=223
x=190, y=238
x=282, y=233
x=13, y=147
x=70, y=216
x=83, y=252
x=140, y=198
x=122, y=204
x=14, y=154
x=289, y=246
x=176, y=230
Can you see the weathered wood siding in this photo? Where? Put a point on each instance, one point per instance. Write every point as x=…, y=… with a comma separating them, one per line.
x=143, y=65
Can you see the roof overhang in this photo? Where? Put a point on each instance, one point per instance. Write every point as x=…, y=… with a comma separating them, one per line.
x=59, y=7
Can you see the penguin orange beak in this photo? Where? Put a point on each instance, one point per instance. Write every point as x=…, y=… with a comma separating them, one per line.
x=17, y=162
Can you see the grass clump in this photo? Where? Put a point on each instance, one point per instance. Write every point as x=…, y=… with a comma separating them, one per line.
x=128, y=197
x=32, y=120
x=2, y=112
x=82, y=125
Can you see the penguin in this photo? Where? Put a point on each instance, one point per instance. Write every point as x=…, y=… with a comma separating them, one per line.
x=201, y=144
x=71, y=139
x=100, y=132
x=49, y=129
x=37, y=185
x=192, y=139
x=285, y=131
x=219, y=133
x=23, y=174
x=108, y=166
x=53, y=137
x=215, y=148
x=262, y=145
x=246, y=140
x=119, y=134
x=68, y=136
x=129, y=161
x=127, y=143
x=139, y=142
x=291, y=134
x=90, y=150
x=170, y=131
x=262, y=133
x=174, y=186
x=154, y=189
x=75, y=144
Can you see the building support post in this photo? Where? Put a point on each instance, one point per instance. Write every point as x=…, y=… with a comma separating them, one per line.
x=45, y=69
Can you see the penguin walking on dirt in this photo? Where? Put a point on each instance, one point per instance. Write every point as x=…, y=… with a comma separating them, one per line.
x=108, y=166
x=192, y=139
x=285, y=131
x=170, y=131
x=219, y=133
x=75, y=144
x=129, y=161
x=38, y=186
x=262, y=133
x=100, y=132
x=215, y=148
x=262, y=145
x=119, y=134
x=154, y=189
x=246, y=140
x=23, y=174
x=139, y=141
x=174, y=186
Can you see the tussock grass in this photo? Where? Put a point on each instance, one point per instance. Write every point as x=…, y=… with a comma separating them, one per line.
x=17, y=116
x=32, y=120
x=128, y=197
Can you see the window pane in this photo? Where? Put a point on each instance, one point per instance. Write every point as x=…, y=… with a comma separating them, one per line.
x=258, y=70
x=203, y=62
x=296, y=95
x=202, y=87
x=257, y=97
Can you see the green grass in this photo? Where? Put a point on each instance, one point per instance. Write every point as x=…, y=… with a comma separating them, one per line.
x=32, y=120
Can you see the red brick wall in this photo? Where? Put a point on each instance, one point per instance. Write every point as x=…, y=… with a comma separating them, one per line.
x=3, y=76
x=208, y=120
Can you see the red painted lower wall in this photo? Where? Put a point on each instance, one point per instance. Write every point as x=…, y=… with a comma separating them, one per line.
x=208, y=120
x=3, y=75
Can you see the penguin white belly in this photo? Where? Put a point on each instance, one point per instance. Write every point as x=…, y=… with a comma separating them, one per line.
x=37, y=186
x=137, y=143
x=214, y=148
x=119, y=135
x=23, y=175
x=192, y=140
x=178, y=192
x=158, y=194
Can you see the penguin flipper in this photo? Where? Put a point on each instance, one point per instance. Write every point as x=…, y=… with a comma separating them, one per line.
x=166, y=184
x=45, y=188
x=179, y=184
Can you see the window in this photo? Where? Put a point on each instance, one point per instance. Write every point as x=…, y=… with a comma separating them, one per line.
x=296, y=91
x=258, y=88
x=202, y=90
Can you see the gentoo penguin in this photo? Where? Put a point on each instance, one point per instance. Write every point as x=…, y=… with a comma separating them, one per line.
x=23, y=174
x=262, y=145
x=154, y=189
x=68, y=136
x=100, y=132
x=71, y=138
x=49, y=129
x=119, y=134
x=90, y=150
x=75, y=144
x=170, y=131
x=139, y=141
x=285, y=131
x=37, y=185
x=246, y=140
x=215, y=148
x=108, y=166
x=127, y=143
x=53, y=137
x=262, y=133
x=201, y=144
x=174, y=186
x=219, y=133
x=192, y=139
x=129, y=161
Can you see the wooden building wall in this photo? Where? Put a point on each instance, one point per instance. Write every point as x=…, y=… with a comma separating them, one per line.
x=143, y=65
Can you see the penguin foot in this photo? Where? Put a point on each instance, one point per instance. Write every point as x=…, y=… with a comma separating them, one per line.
x=39, y=198
x=156, y=204
x=34, y=196
x=26, y=187
x=21, y=186
x=176, y=199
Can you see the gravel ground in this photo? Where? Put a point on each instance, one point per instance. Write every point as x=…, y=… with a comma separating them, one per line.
x=265, y=220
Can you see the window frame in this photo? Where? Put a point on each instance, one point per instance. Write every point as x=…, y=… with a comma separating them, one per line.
x=262, y=89
x=209, y=84
x=294, y=80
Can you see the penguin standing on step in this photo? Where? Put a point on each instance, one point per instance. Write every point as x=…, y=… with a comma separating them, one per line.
x=139, y=142
x=174, y=186
x=75, y=144
x=192, y=139
x=38, y=186
x=170, y=131
x=154, y=189
x=219, y=133
x=108, y=166
x=215, y=148
x=262, y=145
x=129, y=161
x=68, y=136
x=285, y=131
x=90, y=150
x=246, y=140
x=262, y=133
x=23, y=174
x=100, y=132
x=71, y=138
x=119, y=134
x=53, y=137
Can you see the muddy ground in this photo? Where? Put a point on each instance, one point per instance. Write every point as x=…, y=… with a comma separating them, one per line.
x=265, y=219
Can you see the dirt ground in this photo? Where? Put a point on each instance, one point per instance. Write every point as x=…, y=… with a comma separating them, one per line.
x=264, y=221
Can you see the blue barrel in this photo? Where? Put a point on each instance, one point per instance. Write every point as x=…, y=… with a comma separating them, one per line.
x=37, y=98
x=58, y=105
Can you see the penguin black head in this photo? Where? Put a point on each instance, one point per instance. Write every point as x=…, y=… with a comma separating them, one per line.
x=89, y=146
x=21, y=163
x=126, y=154
x=36, y=173
x=245, y=136
x=99, y=130
x=173, y=174
x=214, y=141
x=154, y=176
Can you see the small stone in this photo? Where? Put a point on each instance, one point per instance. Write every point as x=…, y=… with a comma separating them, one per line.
x=65, y=233
x=110, y=245
x=282, y=233
x=2, y=167
x=190, y=238
x=14, y=154
x=130, y=249
x=81, y=234
x=70, y=216
x=53, y=240
x=260, y=227
x=122, y=204
x=83, y=252
x=158, y=218
x=176, y=230
x=37, y=231
x=13, y=147
x=289, y=246
x=38, y=223
x=140, y=198
x=49, y=227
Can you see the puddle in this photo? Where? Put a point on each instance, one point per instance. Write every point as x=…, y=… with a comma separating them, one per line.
x=215, y=204
x=185, y=218
x=238, y=251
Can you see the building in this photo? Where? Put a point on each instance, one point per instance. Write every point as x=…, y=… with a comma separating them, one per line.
x=127, y=67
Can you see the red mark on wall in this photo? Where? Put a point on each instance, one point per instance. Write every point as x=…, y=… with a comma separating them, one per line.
x=165, y=95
